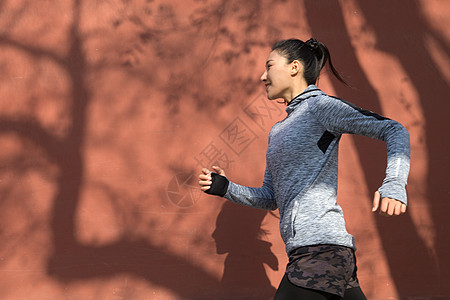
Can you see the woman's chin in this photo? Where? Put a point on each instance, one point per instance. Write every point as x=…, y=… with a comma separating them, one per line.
x=270, y=96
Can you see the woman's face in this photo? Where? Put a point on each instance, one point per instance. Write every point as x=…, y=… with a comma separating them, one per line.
x=277, y=76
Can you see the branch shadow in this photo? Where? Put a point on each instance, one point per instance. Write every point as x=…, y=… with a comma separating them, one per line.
x=417, y=271
x=432, y=89
x=72, y=261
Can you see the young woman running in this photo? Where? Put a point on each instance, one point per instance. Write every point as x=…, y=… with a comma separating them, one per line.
x=302, y=170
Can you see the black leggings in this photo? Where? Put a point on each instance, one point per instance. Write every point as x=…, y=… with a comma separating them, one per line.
x=289, y=291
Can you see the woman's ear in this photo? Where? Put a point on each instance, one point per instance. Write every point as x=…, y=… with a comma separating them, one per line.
x=296, y=68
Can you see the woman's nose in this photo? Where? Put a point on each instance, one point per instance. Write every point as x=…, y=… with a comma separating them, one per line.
x=264, y=76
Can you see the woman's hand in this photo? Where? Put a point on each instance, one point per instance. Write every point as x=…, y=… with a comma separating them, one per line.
x=205, y=177
x=388, y=206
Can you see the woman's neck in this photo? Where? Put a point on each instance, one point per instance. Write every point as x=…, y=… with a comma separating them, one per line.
x=296, y=89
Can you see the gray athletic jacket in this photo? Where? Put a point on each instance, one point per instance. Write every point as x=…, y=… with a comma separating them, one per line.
x=302, y=167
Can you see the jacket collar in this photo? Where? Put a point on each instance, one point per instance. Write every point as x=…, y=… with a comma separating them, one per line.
x=310, y=91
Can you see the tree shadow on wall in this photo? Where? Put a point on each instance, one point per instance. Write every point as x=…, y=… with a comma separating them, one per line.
x=414, y=52
x=237, y=233
x=402, y=32
x=71, y=260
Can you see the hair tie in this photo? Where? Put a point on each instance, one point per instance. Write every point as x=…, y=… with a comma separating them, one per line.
x=313, y=45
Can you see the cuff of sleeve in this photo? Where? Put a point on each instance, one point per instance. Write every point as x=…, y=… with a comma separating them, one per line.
x=393, y=190
x=219, y=186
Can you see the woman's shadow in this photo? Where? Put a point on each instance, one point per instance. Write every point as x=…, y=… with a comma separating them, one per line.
x=238, y=231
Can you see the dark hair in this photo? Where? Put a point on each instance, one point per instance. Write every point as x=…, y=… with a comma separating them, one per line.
x=312, y=54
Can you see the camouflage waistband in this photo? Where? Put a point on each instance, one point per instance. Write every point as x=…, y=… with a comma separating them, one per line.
x=328, y=268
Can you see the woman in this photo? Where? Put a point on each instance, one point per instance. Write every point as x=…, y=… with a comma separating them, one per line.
x=301, y=173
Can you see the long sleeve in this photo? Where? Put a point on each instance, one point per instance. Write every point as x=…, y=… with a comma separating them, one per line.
x=260, y=197
x=339, y=117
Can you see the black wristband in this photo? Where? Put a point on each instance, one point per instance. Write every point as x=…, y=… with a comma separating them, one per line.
x=219, y=185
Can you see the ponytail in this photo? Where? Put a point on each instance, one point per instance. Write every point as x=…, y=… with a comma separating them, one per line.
x=313, y=55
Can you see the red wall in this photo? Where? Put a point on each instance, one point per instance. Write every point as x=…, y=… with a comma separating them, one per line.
x=108, y=110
